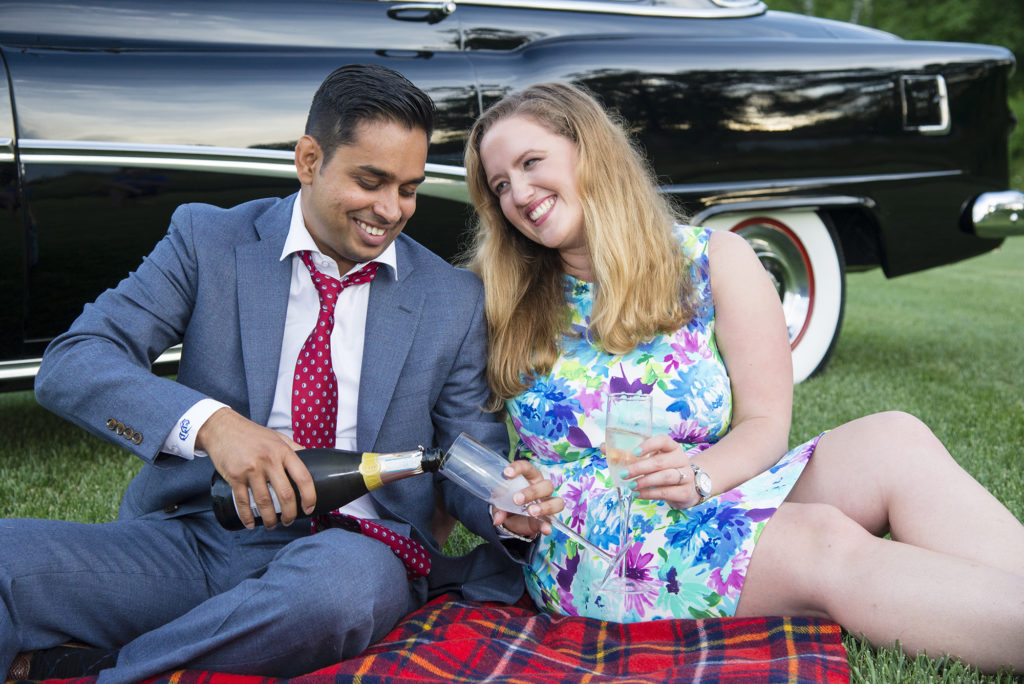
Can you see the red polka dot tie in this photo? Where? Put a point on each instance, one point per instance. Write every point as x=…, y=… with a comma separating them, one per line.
x=315, y=411
x=314, y=385
x=410, y=552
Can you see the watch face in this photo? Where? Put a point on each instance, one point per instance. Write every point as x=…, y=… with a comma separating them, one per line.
x=703, y=482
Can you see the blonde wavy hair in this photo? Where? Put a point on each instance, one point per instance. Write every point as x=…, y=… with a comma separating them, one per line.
x=641, y=290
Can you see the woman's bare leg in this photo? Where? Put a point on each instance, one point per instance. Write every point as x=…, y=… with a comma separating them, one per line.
x=889, y=473
x=813, y=560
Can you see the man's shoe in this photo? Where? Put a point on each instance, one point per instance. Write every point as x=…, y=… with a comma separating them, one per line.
x=61, y=662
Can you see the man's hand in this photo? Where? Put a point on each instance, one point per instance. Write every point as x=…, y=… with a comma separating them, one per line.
x=539, y=492
x=249, y=456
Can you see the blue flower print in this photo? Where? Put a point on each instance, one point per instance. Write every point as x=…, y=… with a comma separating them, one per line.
x=701, y=391
x=548, y=409
x=685, y=585
x=700, y=533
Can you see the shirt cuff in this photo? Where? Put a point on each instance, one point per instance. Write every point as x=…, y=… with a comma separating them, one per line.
x=182, y=439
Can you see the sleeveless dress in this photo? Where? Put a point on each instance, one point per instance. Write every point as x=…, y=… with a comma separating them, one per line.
x=700, y=554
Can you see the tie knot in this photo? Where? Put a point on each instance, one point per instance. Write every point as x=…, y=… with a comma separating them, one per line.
x=363, y=275
x=328, y=287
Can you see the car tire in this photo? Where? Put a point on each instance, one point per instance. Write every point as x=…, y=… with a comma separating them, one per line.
x=805, y=261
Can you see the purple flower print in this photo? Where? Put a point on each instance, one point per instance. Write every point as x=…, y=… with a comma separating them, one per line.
x=623, y=385
x=638, y=567
x=671, y=363
x=576, y=498
x=565, y=575
x=578, y=438
x=690, y=432
x=688, y=345
x=618, y=385
x=728, y=581
x=591, y=400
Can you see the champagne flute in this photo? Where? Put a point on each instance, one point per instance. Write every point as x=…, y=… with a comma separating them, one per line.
x=480, y=471
x=627, y=424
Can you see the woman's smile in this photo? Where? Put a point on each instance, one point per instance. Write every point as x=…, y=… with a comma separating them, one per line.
x=538, y=213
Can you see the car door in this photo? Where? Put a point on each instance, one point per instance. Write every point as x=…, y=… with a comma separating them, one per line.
x=126, y=109
x=12, y=235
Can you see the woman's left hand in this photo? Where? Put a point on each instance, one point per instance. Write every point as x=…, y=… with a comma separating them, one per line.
x=539, y=492
x=664, y=473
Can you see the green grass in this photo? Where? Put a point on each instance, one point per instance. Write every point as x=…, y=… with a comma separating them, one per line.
x=944, y=345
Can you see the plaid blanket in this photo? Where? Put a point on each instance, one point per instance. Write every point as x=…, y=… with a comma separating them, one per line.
x=460, y=641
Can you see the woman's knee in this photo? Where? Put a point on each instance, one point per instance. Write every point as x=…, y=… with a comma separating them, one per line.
x=799, y=560
x=880, y=449
x=900, y=424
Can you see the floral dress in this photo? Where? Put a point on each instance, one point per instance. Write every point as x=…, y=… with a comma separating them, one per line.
x=699, y=555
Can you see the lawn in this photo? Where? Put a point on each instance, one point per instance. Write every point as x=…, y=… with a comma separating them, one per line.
x=945, y=345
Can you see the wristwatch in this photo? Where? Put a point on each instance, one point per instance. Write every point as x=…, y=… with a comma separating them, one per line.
x=702, y=482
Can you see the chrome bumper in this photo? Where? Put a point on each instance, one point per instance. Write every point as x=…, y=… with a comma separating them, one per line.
x=998, y=214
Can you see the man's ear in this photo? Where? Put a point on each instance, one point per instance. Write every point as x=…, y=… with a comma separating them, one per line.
x=308, y=158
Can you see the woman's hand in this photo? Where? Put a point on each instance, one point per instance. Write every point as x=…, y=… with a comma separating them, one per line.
x=539, y=492
x=664, y=473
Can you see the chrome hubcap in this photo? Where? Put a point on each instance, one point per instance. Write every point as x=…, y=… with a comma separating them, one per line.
x=788, y=267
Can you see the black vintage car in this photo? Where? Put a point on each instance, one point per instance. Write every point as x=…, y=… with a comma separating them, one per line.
x=827, y=145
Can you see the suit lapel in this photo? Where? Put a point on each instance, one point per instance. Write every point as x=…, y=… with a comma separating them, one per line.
x=391, y=319
x=263, y=284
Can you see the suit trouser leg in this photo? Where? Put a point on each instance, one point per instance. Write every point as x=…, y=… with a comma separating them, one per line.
x=103, y=584
x=322, y=599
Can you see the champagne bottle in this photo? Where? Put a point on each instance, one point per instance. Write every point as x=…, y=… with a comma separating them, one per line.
x=338, y=476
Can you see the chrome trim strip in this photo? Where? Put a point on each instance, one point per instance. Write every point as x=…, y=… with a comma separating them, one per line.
x=783, y=203
x=729, y=9
x=998, y=214
x=6, y=150
x=442, y=180
x=277, y=163
x=24, y=369
x=788, y=184
x=19, y=370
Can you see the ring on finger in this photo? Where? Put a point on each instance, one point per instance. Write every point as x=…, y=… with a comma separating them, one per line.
x=682, y=475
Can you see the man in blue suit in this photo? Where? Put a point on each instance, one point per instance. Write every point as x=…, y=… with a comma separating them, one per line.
x=165, y=585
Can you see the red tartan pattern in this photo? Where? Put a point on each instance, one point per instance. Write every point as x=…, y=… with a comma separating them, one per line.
x=460, y=641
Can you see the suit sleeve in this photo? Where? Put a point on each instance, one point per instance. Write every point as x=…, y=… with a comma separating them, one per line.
x=460, y=408
x=97, y=374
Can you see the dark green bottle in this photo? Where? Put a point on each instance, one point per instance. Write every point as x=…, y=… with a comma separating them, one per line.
x=339, y=477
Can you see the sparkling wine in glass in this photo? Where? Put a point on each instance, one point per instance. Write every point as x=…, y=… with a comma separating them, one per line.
x=628, y=423
x=619, y=446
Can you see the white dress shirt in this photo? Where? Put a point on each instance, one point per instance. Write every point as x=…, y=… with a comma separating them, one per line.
x=346, y=351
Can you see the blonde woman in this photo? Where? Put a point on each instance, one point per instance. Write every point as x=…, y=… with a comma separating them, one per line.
x=592, y=287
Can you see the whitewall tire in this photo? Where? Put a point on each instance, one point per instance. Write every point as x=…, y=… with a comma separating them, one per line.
x=805, y=261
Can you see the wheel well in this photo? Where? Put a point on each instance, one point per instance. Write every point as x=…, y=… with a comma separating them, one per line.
x=858, y=234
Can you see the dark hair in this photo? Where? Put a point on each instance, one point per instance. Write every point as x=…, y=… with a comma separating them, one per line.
x=356, y=93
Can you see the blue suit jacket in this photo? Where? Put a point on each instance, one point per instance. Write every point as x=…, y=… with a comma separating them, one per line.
x=216, y=284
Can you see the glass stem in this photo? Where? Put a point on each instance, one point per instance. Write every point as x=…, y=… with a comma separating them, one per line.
x=619, y=562
x=582, y=541
x=627, y=509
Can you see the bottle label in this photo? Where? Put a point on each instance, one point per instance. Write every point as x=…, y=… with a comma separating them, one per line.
x=370, y=469
x=252, y=502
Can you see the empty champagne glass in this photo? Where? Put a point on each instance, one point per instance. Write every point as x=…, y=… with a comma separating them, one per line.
x=628, y=423
x=480, y=471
